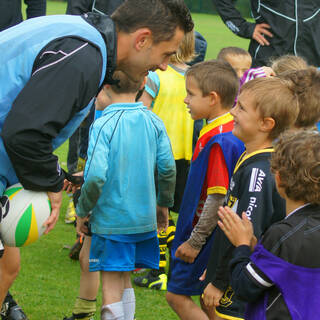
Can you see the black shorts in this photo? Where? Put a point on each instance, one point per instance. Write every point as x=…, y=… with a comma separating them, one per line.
x=231, y=307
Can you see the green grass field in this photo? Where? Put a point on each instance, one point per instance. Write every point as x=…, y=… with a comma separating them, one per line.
x=48, y=282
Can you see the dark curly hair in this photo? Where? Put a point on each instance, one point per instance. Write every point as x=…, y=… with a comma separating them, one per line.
x=297, y=161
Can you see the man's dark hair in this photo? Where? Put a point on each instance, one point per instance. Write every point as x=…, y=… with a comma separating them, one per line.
x=162, y=17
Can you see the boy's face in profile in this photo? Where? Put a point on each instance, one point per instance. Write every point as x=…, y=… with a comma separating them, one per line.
x=240, y=63
x=246, y=117
x=197, y=104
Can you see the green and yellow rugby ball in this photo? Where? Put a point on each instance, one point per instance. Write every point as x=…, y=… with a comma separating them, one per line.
x=26, y=211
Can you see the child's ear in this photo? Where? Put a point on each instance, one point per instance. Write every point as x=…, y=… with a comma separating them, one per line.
x=214, y=98
x=267, y=124
x=277, y=179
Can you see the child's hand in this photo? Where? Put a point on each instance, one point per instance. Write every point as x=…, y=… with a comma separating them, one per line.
x=239, y=231
x=268, y=71
x=186, y=253
x=203, y=276
x=162, y=218
x=211, y=296
x=73, y=182
x=82, y=228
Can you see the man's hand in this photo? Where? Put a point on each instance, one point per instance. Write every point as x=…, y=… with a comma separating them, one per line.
x=186, y=253
x=259, y=33
x=162, y=218
x=211, y=296
x=55, y=200
x=238, y=231
x=82, y=228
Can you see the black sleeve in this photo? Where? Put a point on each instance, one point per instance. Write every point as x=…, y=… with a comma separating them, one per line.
x=65, y=78
x=247, y=280
x=35, y=8
x=233, y=19
x=78, y=7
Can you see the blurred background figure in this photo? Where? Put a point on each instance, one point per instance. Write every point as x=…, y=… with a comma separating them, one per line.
x=10, y=11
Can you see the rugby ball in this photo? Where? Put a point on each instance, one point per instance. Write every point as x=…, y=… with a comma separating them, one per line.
x=24, y=213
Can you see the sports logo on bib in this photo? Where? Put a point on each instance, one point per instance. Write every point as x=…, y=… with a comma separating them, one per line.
x=256, y=180
x=226, y=299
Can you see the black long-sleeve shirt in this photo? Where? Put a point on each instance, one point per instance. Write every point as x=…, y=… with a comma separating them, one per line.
x=65, y=78
x=294, y=25
x=82, y=6
x=10, y=11
x=295, y=240
x=252, y=190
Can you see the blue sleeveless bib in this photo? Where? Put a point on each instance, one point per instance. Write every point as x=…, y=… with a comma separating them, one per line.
x=19, y=48
x=184, y=277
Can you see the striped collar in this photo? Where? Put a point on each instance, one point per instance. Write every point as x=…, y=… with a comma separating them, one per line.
x=219, y=121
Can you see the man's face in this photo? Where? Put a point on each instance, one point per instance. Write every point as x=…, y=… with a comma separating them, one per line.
x=150, y=56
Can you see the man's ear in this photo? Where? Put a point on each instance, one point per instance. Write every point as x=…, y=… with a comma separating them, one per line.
x=267, y=124
x=143, y=38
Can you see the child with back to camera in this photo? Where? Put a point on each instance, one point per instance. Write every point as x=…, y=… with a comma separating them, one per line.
x=164, y=93
x=126, y=144
x=277, y=277
x=85, y=304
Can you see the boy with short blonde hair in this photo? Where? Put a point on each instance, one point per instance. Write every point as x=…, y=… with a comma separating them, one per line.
x=239, y=59
x=265, y=108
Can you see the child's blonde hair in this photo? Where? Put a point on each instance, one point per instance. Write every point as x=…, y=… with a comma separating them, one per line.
x=297, y=161
x=186, y=52
x=232, y=51
x=218, y=76
x=306, y=84
x=287, y=62
x=275, y=98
